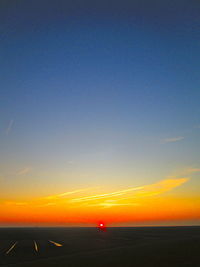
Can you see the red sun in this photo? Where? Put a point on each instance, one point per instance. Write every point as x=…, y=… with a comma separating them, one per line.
x=101, y=226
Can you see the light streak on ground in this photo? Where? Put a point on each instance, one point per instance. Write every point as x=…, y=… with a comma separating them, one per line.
x=35, y=246
x=8, y=251
x=56, y=244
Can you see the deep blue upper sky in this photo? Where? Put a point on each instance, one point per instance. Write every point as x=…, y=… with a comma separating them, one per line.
x=92, y=82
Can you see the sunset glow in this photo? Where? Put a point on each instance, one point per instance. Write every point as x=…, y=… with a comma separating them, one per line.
x=100, y=114
x=148, y=203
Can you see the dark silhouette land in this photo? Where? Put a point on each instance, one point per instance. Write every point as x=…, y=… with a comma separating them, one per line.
x=85, y=247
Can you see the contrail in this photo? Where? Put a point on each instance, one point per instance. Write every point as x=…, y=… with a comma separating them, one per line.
x=56, y=244
x=11, y=248
x=117, y=193
x=67, y=193
x=35, y=246
x=9, y=128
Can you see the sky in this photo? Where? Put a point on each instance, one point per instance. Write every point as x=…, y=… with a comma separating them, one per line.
x=99, y=112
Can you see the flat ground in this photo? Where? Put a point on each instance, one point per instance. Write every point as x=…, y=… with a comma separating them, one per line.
x=85, y=247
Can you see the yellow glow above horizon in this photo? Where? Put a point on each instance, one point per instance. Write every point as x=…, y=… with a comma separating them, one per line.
x=152, y=202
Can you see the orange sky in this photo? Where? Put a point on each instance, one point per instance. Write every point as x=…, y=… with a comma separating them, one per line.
x=143, y=204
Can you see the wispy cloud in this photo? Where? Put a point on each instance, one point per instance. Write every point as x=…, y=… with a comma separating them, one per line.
x=185, y=172
x=142, y=191
x=67, y=193
x=128, y=197
x=70, y=162
x=107, y=195
x=172, y=139
x=112, y=203
x=9, y=128
x=47, y=204
x=24, y=171
x=193, y=170
x=16, y=203
x=197, y=126
x=161, y=187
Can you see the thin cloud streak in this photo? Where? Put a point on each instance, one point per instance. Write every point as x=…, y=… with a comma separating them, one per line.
x=185, y=172
x=143, y=191
x=147, y=191
x=197, y=126
x=16, y=203
x=67, y=193
x=131, y=196
x=47, y=204
x=161, y=187
x=9, y=128
x=117, y=193
x=172, y=140
x=107, y=204
x=192, y=170
x=24, y=171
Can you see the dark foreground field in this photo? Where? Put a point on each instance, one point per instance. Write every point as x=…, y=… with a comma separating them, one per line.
x=148, y=246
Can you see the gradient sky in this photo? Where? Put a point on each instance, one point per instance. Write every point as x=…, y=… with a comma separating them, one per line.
x=99, y=112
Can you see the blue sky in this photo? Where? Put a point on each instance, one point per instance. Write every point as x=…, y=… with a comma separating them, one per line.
x=97, y=93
